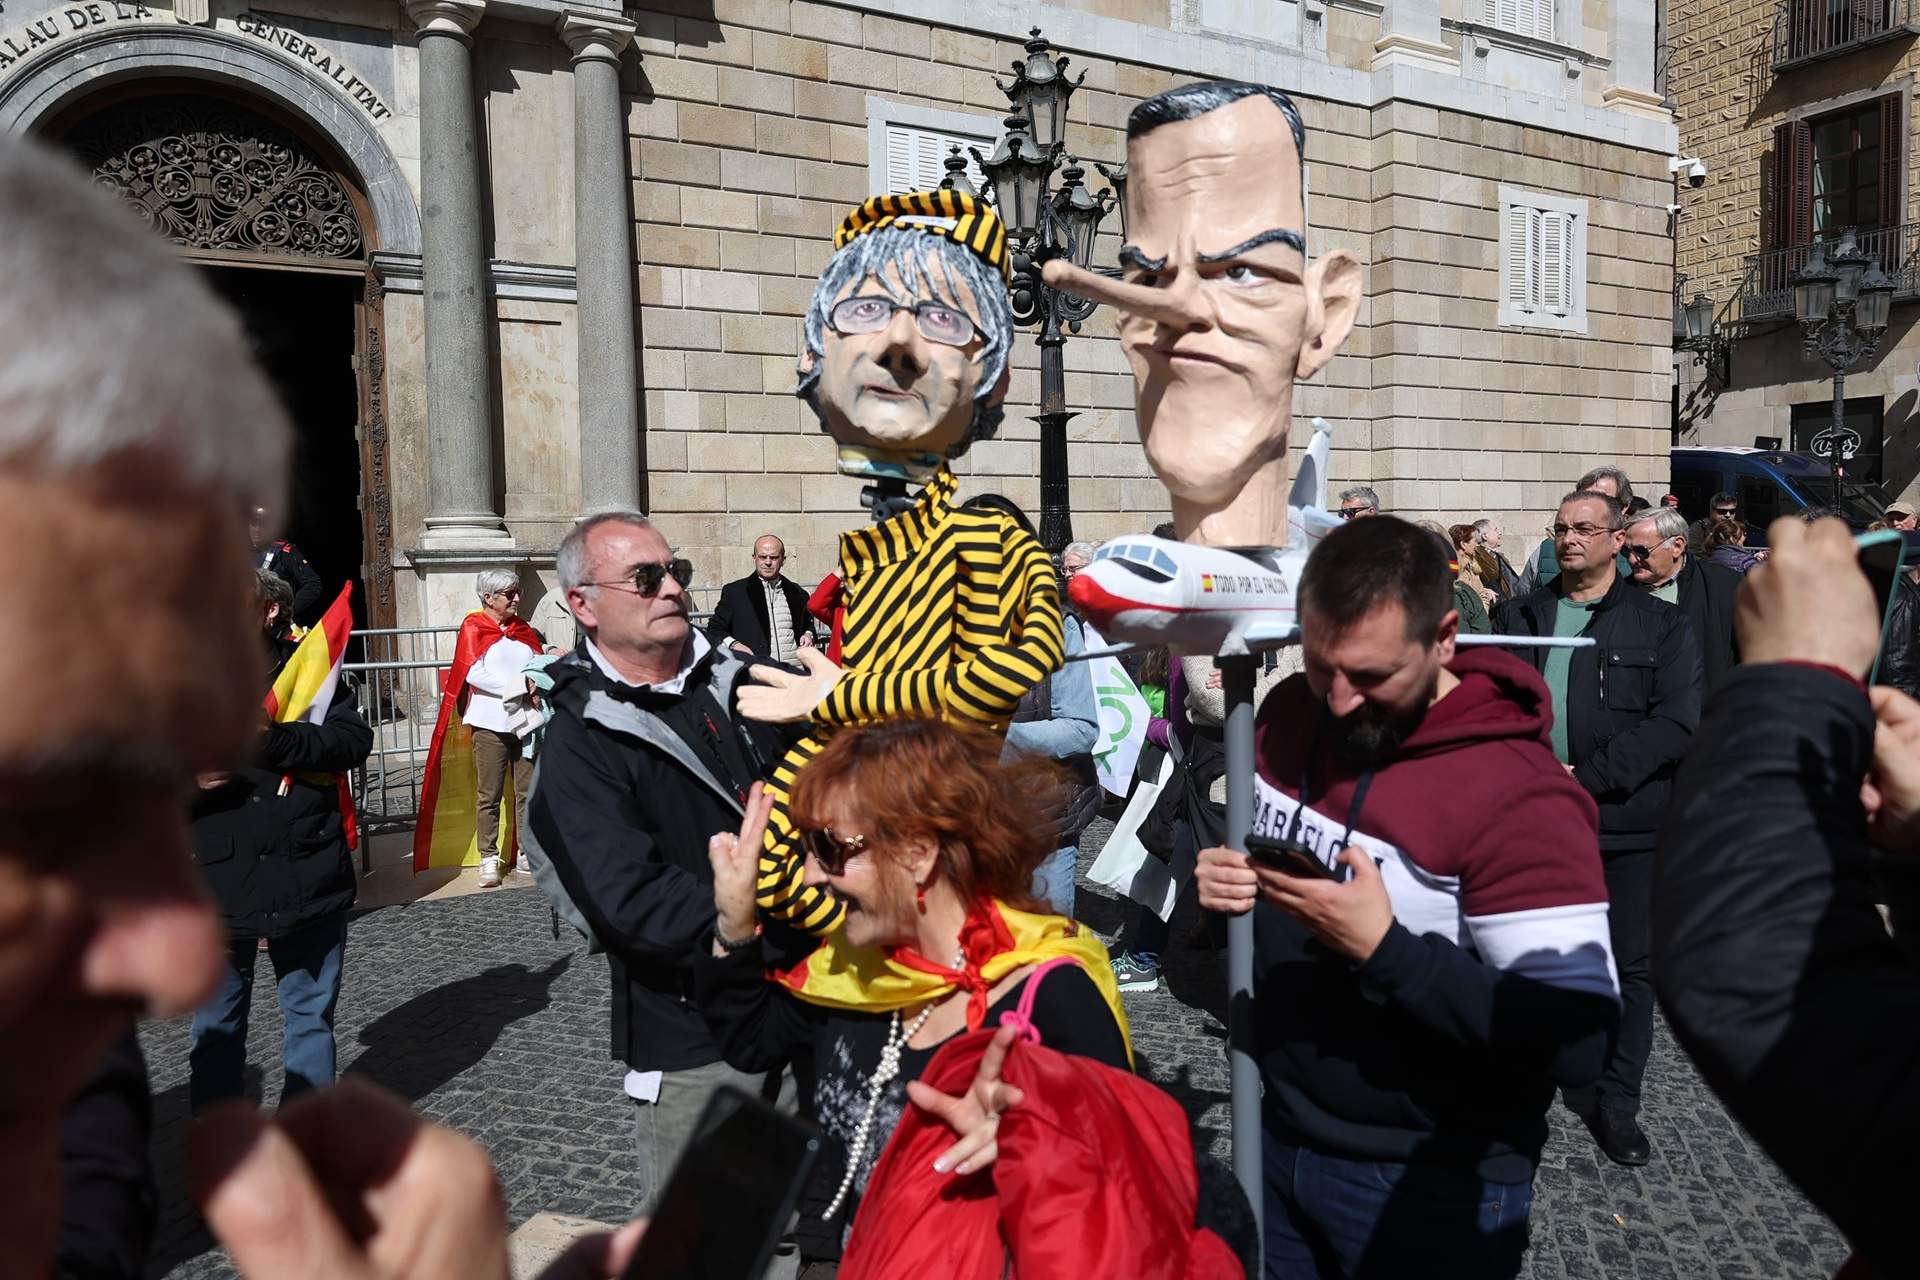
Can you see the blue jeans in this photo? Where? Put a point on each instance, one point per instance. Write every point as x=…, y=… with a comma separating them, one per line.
x=1381, y=1220
x=307, y=964
x=1053, y=879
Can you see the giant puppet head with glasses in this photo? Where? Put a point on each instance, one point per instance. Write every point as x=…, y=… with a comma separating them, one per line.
x=908, y=335
x=949, y=611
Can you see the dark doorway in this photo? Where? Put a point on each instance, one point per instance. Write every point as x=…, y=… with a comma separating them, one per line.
x=1862, y=415
x=301, y=325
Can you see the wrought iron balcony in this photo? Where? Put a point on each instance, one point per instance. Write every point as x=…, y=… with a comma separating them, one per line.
x=1767, y=291
x=1808, y=30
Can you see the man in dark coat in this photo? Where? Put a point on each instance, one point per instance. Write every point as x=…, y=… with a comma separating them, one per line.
x=1664, y=564
x=271, y=841
x=1624, y=715
x=763, y=613
x=644, y=760
x=1776, y=970
x=282, y=559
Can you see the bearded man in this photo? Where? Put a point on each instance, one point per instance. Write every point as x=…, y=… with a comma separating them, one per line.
x=1431, y=946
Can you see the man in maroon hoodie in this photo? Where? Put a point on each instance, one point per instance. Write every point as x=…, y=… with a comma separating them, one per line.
x=1420, y=996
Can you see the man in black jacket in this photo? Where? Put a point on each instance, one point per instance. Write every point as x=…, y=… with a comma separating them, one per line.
x=763, y=613
x=1664, y=564
x=271, y=841
x=1624, y=714
x=644, y=761
x=282, y=559
x=1774, y=967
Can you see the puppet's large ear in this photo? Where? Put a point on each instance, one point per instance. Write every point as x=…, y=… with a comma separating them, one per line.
x=1333, y=302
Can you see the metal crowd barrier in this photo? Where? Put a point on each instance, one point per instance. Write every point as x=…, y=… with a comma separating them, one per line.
x=396, y=674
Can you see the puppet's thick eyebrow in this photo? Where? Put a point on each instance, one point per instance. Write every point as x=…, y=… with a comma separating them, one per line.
x=1130, y=256
x=1278, y=235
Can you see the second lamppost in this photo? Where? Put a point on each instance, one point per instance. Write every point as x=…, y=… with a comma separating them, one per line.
x=1842, y=300
x=1045, y=219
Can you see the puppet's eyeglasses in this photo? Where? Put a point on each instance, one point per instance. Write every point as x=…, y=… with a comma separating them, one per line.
x=937, y=321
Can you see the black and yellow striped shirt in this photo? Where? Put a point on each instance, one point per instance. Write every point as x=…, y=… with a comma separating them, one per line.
x=951, y=613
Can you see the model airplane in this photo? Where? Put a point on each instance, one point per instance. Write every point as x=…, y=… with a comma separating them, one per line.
x=1142, y=590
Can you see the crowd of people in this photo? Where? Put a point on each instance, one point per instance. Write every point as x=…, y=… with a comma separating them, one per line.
x=1475, y=868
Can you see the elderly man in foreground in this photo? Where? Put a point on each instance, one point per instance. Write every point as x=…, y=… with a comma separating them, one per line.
x=127, y=472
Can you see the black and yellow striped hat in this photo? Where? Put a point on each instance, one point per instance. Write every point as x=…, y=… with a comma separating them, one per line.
x=952, y=215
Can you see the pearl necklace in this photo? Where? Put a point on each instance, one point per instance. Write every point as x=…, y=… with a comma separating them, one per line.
x=883, y=1075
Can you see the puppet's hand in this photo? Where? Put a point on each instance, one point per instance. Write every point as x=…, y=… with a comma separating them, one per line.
x=781, y=697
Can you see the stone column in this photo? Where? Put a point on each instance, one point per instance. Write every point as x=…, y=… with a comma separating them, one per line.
x=610, y=453
x=1635, y=49
x=460, y=505
x=1410, y=36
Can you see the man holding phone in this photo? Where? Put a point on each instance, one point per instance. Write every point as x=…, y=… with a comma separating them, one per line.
x=1431, y=951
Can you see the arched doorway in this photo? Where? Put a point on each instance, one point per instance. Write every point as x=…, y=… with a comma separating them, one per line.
x=283, y=233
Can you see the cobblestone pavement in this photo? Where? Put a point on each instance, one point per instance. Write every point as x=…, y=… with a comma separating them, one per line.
x=471, y=1009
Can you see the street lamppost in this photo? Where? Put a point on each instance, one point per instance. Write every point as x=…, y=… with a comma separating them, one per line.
x=1841, y=300
x=1049, y=213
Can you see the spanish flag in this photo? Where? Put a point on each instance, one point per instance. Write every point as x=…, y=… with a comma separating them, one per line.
x=304, y=689
x=449, y=797
x=995, y=941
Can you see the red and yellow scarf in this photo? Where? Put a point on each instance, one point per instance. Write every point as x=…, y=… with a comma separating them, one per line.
x=996, y=939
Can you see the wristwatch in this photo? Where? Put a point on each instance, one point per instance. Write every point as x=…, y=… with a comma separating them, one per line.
x=727, y=944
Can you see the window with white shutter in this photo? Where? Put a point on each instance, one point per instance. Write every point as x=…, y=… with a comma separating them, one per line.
x=1543, y=261
x=1522, y=17
x=917, y=158
x=908, y=145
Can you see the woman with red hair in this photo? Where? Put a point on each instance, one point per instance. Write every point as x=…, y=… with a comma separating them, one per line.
x=931, y=843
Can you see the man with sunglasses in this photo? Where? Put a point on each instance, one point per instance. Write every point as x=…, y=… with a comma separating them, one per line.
x=1663, y=562
x=1724, y=506
x=1358, y=503
x=644, y=759
x=1624, y=712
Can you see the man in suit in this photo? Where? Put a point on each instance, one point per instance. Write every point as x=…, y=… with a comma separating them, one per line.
x=763, y=613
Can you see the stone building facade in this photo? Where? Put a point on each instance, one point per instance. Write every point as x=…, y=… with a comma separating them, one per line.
x=1804, y=120
x=516, y=259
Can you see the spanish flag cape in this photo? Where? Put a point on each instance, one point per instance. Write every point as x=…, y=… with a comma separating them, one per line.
x=444, y=835
x=303, y=690
x=997, y=940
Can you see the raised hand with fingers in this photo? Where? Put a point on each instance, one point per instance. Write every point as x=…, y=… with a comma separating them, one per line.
x=975, y=1114
x=736, y=859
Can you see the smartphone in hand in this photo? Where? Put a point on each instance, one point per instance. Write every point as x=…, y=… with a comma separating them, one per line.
x=731, y=1195
x=1882, y=557
x=1290, y=857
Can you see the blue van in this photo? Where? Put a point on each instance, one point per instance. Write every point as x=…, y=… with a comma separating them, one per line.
x=1769, y=483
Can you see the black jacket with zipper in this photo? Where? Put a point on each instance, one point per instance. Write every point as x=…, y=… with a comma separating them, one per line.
x=1799, y=1003
x=270, y=839
x=1707, y=595
x=630, y=784
x=1900, y=654
x=1632, y=702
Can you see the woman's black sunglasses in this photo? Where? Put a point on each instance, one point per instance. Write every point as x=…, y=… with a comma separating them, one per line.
x=830, y=851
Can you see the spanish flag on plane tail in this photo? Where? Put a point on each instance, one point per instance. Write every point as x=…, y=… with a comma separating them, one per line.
x=305, y=686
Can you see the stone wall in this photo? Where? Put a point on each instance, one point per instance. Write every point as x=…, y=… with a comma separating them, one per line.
x=1729, y=102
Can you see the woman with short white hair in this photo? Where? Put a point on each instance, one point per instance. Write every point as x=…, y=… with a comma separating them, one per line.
x=486, y=690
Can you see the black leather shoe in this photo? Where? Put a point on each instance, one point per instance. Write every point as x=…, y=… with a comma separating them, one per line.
x=1618, y=1134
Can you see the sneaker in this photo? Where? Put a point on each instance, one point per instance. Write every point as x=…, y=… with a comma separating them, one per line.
x=489, y=873
x=1137, y=971
x=521, y=867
